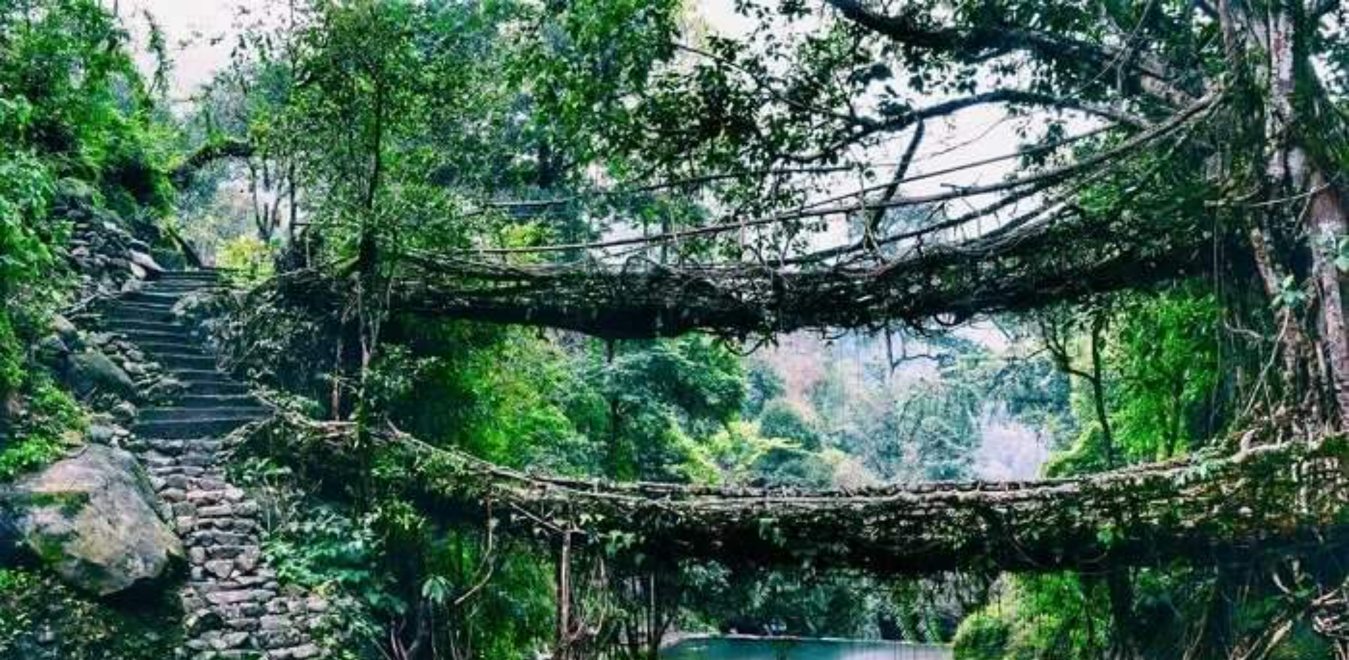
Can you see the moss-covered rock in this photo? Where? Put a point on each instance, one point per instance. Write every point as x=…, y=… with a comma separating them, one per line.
x=91, y=519
x=92, y=371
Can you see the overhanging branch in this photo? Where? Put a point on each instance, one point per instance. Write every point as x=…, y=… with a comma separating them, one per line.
x=215, y=151
x=982, y=43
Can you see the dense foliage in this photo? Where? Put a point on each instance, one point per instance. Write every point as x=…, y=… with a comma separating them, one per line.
x=418, y=130
x=72, y=107
x=45, y=619
x=77, y=123
x=385, y=147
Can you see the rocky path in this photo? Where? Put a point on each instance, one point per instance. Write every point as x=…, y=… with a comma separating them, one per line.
x=233, y=604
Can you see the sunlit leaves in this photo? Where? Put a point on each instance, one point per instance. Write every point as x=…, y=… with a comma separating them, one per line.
x=27, y=240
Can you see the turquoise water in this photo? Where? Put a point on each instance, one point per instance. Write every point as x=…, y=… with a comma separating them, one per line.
x=759, y=649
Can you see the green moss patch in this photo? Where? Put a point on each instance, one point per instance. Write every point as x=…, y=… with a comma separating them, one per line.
x=45, y=620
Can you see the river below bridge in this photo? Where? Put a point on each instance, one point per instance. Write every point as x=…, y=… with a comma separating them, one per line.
x=758, y=648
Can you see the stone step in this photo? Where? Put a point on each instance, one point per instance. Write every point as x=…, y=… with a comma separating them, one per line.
x=187, y=362
x=180, y=288
x=179, y=275
x=157, y=305
x=177, y=414
x=138, y=312
x=155, y=297
x=142, y=337
x=201, y=376
x=175, y=291
x=217, y=401
x=216, y=388
x=178, y=447
x=180, y=444
x=183, y=285
x=153, y=327
x=189, y=429
x=164, y=344
x=186, y=282
x=170, y=346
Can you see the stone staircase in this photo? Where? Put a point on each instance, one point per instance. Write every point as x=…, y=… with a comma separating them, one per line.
x=234, y=607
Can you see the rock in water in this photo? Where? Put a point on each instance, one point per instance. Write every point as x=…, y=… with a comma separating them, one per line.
x=91, y=518
x=92, y=370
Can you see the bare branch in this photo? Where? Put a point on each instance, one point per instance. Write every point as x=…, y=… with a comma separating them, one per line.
x=984, y=43
x=816, y=210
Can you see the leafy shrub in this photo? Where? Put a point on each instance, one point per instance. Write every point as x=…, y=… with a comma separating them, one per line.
x=247, y=259
x=26, y=258
x=781, y=419
x=40, y=436
x=791, y=466
x=132, y=178
x=25, y=455
x=982, y=636
x=71, y=104
x=46, y=620
x=1166, y=353
x=11, y=358
x=327, y=551
x=1301, y=644
x=764, y=384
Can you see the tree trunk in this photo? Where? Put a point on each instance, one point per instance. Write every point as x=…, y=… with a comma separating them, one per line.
x=563, y=579
x=1294, y=175
x=1294, y=343
x=1120, y=592
x=1098, y=393
x=1327, y=226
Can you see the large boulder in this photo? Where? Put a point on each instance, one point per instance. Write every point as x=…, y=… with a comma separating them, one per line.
x=91, y=518
x=67, y=331
x=146, y=263
x=92, y=370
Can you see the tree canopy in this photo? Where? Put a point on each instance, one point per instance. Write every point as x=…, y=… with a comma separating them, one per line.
x=511, y=253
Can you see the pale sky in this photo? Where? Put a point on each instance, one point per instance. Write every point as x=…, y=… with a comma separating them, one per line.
x=201, y=34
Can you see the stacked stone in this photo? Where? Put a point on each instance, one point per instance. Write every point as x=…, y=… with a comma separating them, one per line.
x=109, y=259
x=109, y=373
x=235, y=608
x=130, y=374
